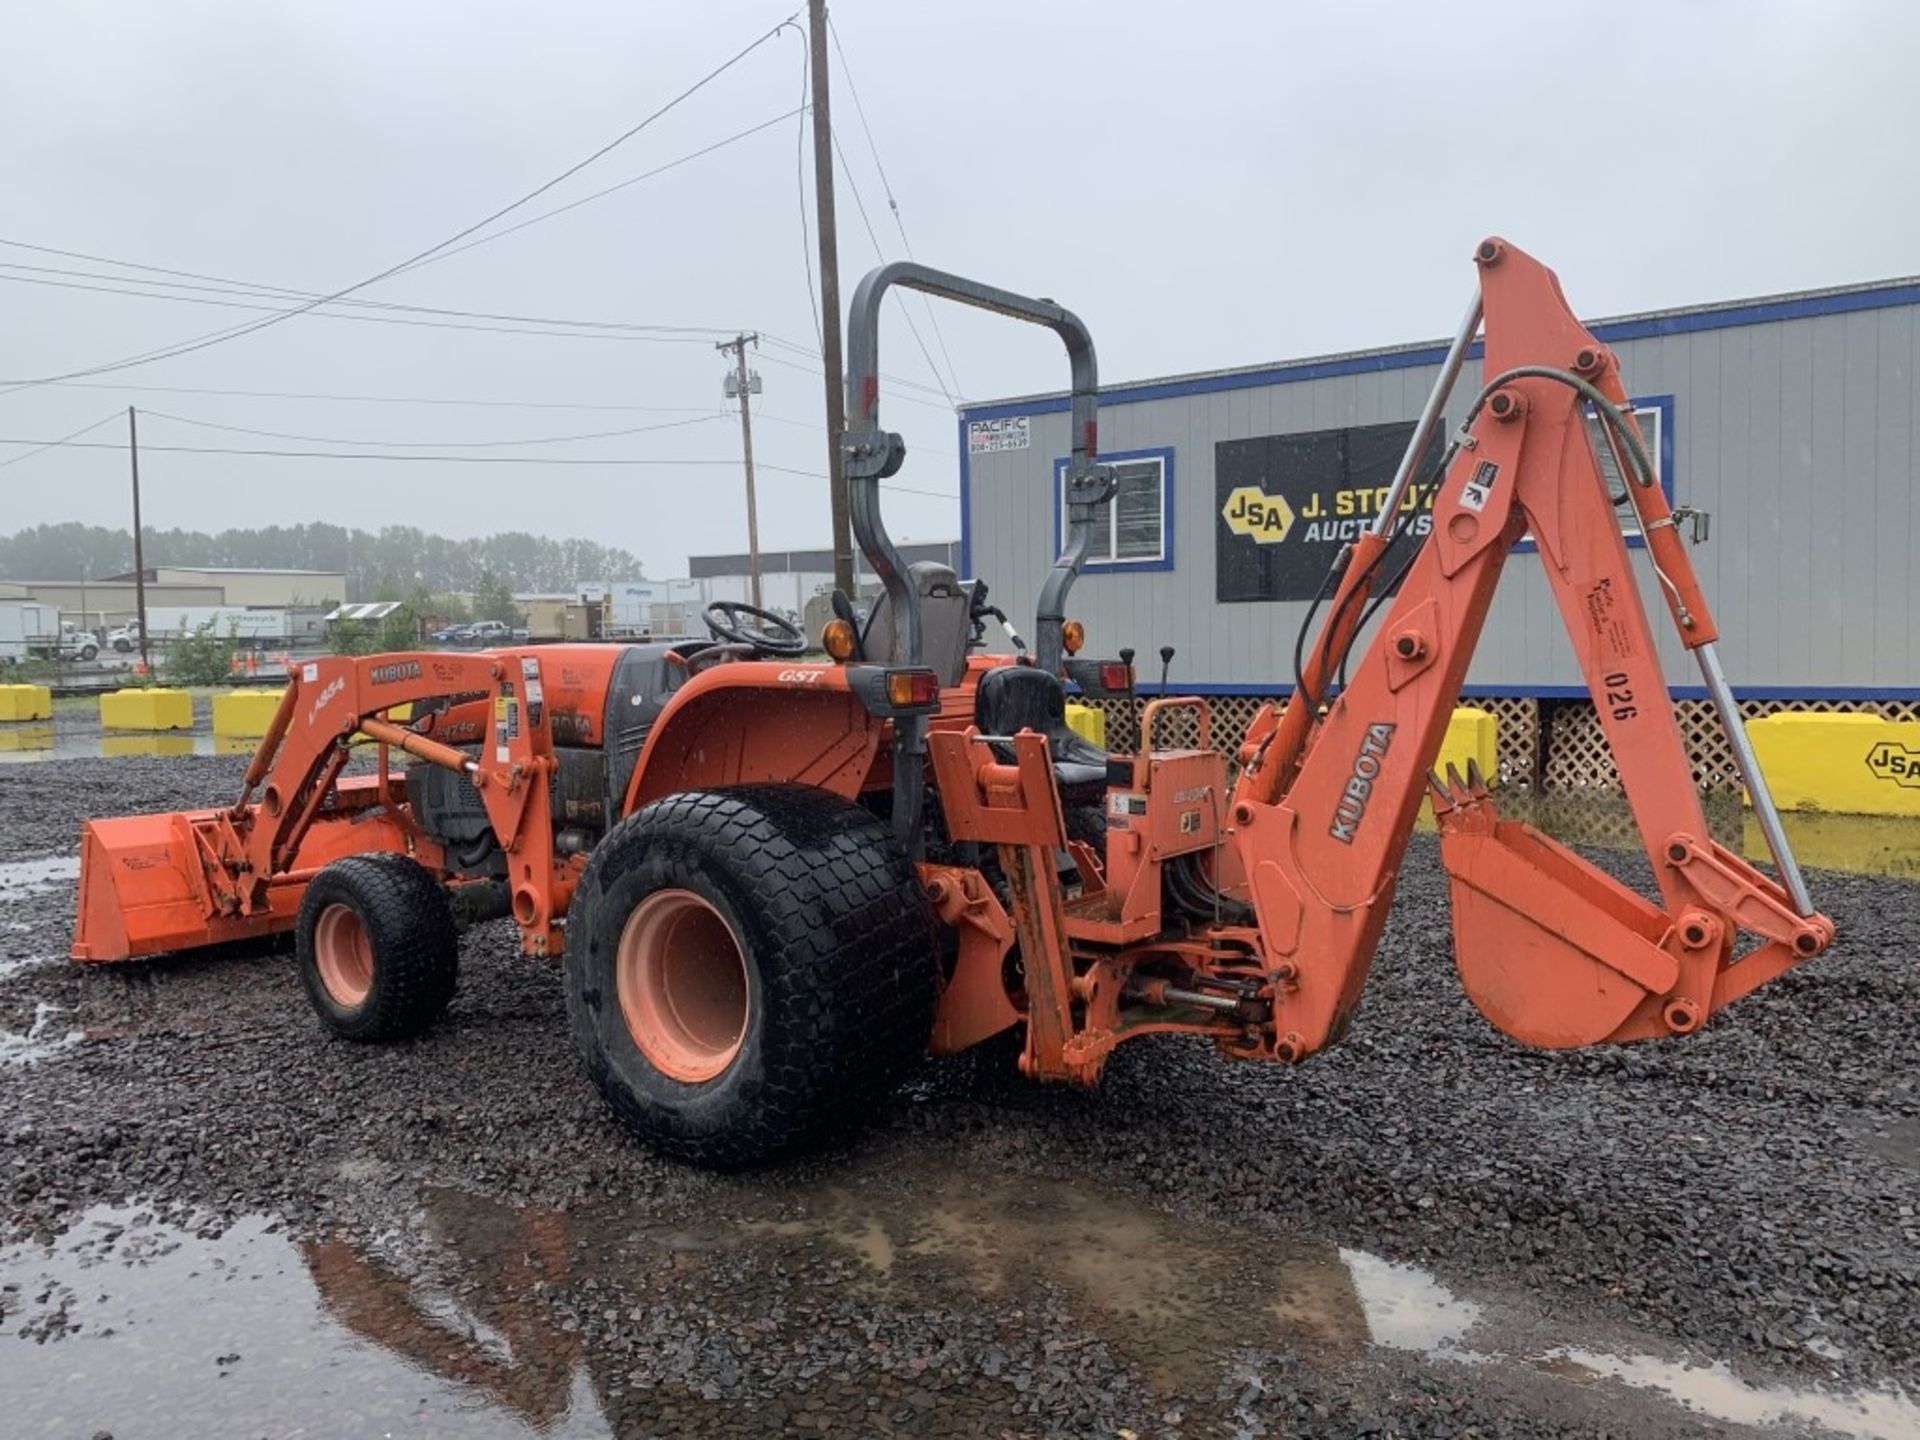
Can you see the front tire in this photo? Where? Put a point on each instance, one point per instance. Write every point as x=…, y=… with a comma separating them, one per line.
x=377, y=948
x=748, y=970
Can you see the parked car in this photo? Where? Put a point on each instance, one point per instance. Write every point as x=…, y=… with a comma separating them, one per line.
x=450, y=635
x=488, y=632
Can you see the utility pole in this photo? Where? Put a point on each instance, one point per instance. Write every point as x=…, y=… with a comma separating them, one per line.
x=139, y=557
x=744, y=385
x=830, y=300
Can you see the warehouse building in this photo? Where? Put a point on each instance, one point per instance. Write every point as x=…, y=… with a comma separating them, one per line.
x=1794, y=420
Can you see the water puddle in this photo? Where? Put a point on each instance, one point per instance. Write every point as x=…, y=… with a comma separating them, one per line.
x=1407, y=1309
x=137, y=1327
x=40, y=1040
x=33, y=743
x=20, y=879
x=1716, y=1391
x=938, y=1305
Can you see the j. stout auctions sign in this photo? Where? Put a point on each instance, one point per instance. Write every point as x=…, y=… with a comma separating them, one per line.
x=1287, y=503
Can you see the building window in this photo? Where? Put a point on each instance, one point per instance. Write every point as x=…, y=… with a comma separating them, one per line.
x=1652, y=418
x=1134, y=529
x=1654, y=415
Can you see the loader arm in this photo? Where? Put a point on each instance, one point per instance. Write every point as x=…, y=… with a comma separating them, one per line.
x=152, y=883
x=1551, y=949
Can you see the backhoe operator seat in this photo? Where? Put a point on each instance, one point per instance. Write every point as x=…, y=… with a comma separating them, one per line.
x=1012, y=698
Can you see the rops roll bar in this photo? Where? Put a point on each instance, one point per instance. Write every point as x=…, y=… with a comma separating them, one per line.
x=871, y=454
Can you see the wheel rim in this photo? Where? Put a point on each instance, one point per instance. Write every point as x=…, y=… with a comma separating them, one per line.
x=343, y=955
x=682, y=981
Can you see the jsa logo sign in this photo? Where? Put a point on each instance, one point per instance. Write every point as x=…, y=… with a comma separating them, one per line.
x=1262, y=518
x=1896, y=763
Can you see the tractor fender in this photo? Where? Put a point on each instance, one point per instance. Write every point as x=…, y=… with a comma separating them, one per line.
x=755, y=722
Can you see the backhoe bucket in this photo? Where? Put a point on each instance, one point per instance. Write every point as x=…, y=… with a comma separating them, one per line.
x=1551, y=949
x=1554, y=952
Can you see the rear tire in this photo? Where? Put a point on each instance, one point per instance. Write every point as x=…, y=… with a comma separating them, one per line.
x=377, y=948
x=780, y=932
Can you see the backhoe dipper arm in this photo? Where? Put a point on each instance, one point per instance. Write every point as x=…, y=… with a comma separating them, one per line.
x=1551, y=949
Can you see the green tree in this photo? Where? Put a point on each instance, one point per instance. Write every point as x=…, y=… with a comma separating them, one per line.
x=203, y=656
x=352, y=637
x=493, y=600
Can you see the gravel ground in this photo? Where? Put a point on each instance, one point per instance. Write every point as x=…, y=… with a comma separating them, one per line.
x=1194, y=1248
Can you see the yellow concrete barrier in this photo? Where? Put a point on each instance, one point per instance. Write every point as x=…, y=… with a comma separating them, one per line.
x=155, y=744
x=26, y=702
x=35, y=736
x=1089, y=722
x=146, y=710
x=244, y=713
x=1853, y=764
x=1472, y=734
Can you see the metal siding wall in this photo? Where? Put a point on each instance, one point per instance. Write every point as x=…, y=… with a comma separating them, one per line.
x=1802, y=437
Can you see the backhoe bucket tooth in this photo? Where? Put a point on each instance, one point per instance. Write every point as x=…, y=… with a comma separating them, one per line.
x=1476, y=783
x=1437, y=790
x=1551, y=950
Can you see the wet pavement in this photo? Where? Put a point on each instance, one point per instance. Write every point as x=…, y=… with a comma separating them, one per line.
x=220, y=1223
x=480, y=1319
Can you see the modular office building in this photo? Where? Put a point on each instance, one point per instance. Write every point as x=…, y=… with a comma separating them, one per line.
x=1793, y=420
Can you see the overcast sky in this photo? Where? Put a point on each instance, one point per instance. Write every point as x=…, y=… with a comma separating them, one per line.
x=1207, y=184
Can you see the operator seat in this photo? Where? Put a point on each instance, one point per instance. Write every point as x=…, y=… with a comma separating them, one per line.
x=946, y=622
x=1012, y=698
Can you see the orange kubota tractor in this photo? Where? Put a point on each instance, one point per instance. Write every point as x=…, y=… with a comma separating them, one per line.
x=775, y=881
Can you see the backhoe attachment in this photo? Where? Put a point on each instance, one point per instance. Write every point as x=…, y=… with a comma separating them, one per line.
x=1552, y=950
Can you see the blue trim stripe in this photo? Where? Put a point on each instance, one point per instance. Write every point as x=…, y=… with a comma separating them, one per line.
x=1764, y=312
x=1580, y=692
x=966, y=506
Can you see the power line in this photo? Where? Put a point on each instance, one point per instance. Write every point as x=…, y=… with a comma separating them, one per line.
x=886, y=187
x=234, y=332
x=633, y=330
x=861, y=205
x=567, y=460
x=436, y=444
x=118, y=386
x=561, y=330
x=611, y=189
x=64, y=439
x=800, y=180
x=226, y=285
x=381, y=455
x=814, y=370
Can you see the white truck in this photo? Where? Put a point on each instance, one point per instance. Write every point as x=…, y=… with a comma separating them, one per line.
x=30, y=629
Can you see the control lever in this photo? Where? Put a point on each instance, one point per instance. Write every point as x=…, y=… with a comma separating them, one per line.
x=1166, y=664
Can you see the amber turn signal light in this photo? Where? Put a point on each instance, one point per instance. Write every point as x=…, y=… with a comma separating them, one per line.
x=837, y=640
x=1072, y=636
x=912, y=689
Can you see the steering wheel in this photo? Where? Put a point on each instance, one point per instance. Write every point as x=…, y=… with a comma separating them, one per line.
x=773, y=635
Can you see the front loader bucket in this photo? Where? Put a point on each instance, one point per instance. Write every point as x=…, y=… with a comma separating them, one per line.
x=144, y=887
x=142, y=891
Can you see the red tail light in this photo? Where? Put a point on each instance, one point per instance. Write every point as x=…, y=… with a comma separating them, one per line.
x=1116, y=675
x=912, y=689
